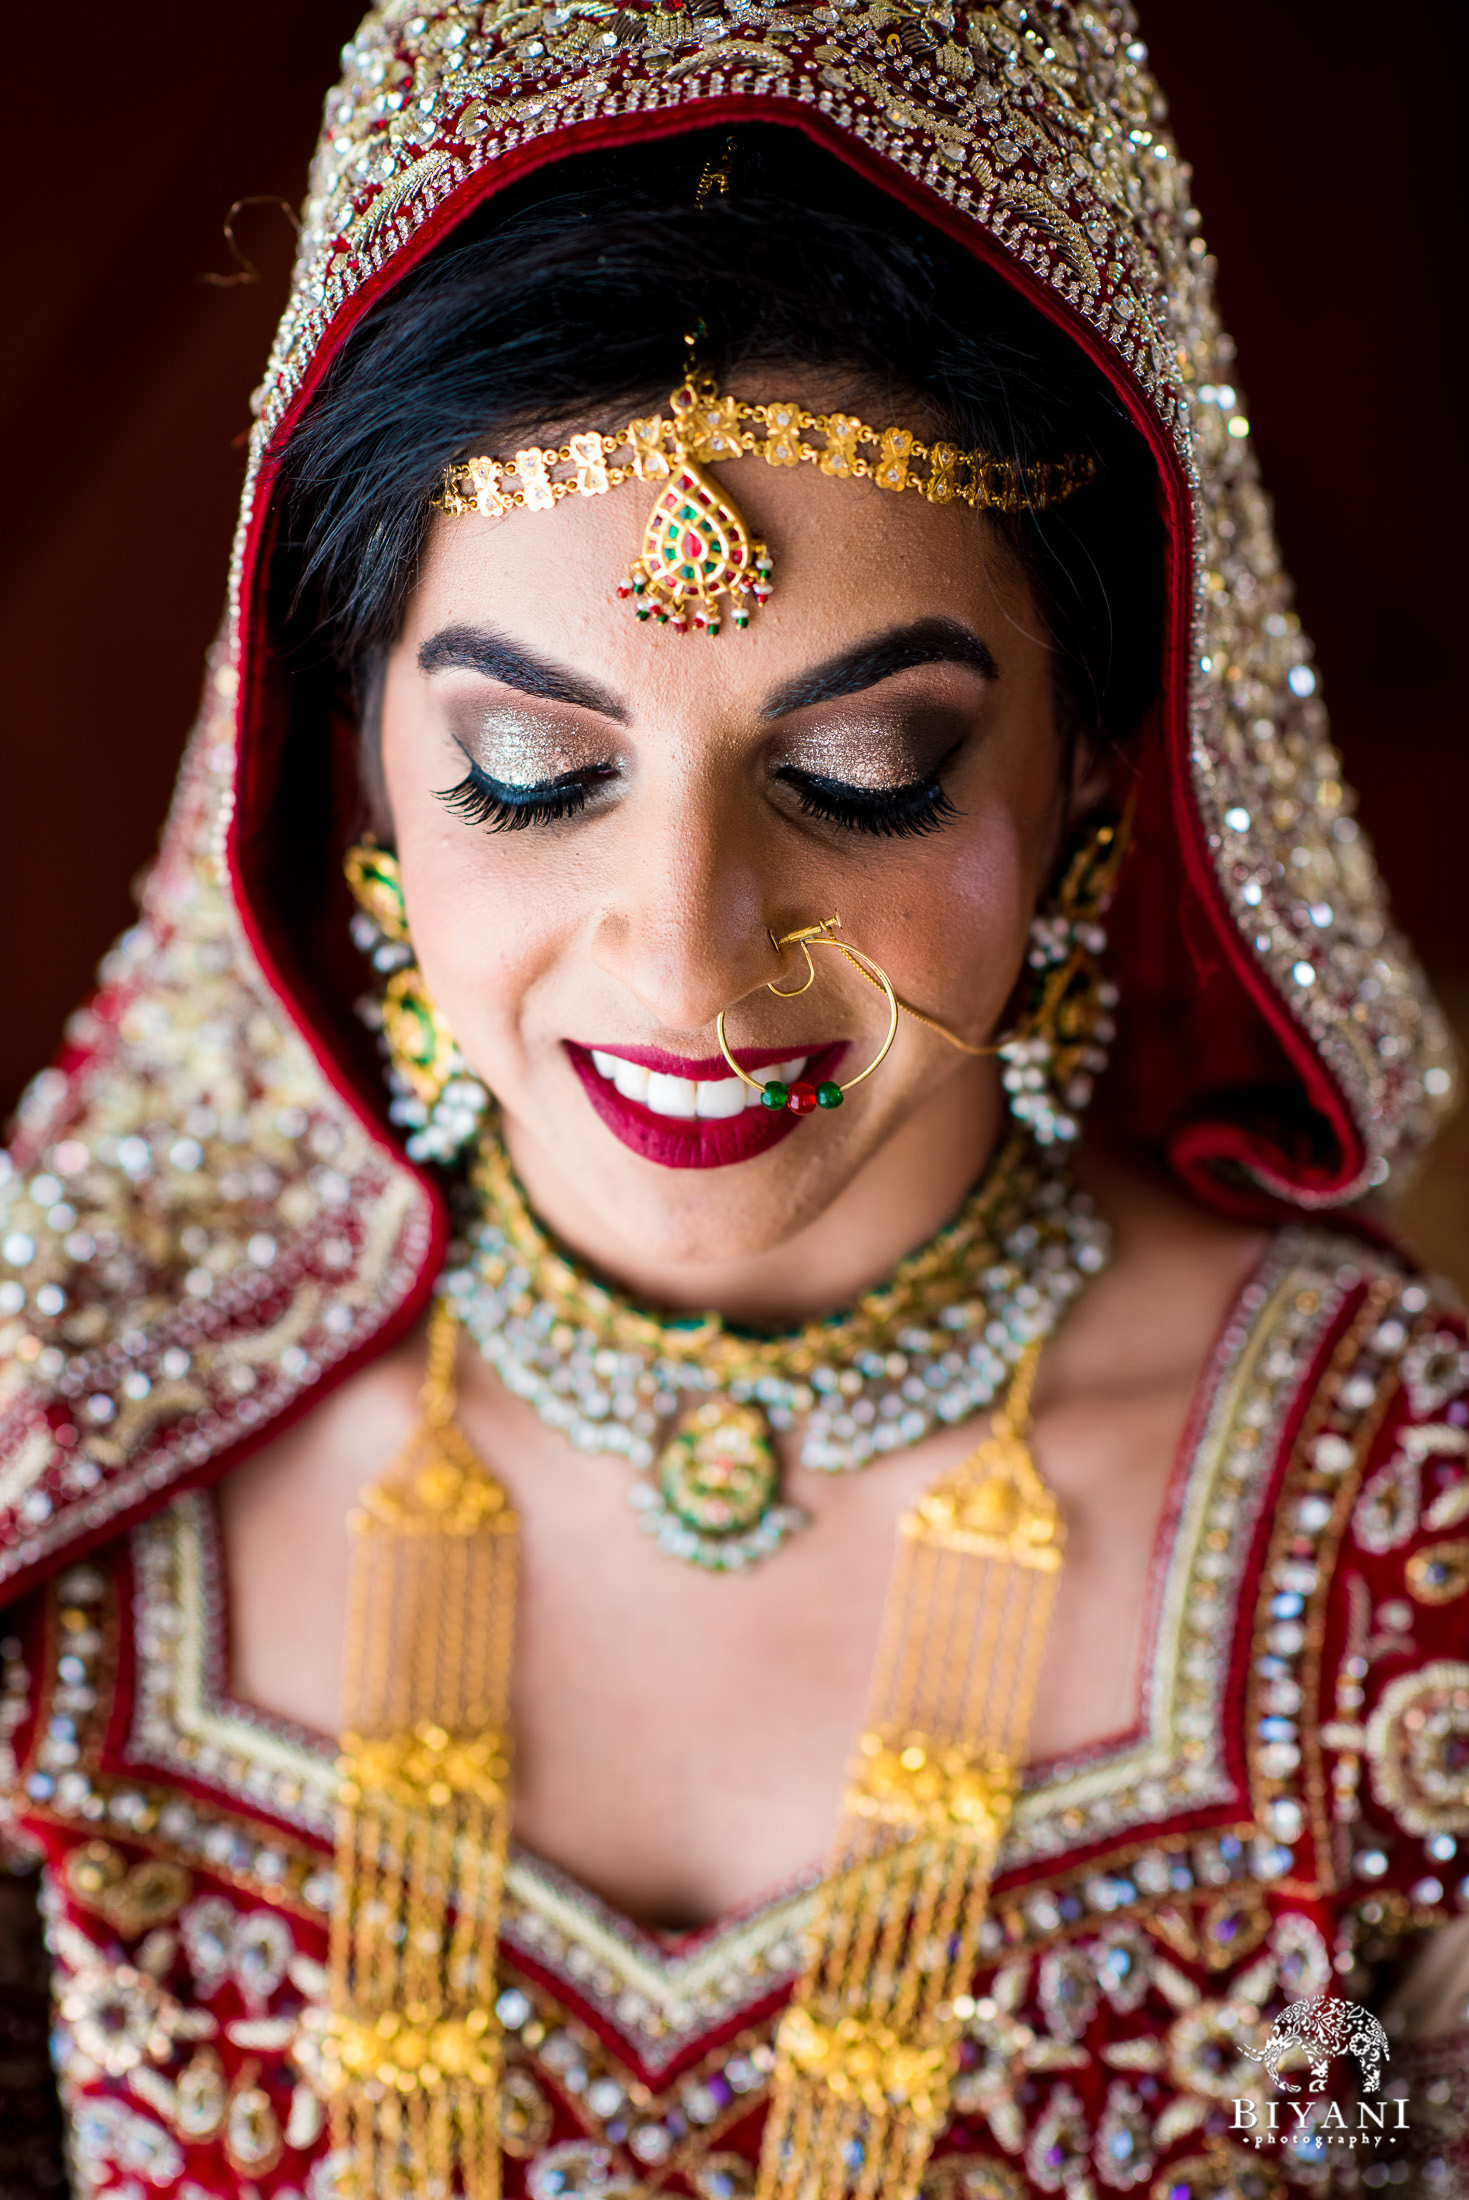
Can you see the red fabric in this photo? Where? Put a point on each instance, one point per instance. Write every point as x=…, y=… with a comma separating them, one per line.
x=1209, y=1070
x=238, y=1938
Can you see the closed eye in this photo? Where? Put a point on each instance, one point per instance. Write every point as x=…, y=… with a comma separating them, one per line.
x=482, y=800
x=893, y=813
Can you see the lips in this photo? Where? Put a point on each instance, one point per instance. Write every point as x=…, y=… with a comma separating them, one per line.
x=681, y=1112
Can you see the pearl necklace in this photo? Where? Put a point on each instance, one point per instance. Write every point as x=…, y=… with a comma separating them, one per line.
x=690, y=1400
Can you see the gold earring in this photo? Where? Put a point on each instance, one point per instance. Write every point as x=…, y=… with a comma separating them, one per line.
x=419, y=1041
x=804, y=1098
x=1058, y=1049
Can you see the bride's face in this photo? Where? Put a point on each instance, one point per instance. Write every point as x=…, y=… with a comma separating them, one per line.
x=601, y=823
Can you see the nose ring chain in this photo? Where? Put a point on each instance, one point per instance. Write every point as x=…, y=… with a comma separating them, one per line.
x=803, y=1097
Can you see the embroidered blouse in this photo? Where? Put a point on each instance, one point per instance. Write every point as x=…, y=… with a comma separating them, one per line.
x=1287, y=1817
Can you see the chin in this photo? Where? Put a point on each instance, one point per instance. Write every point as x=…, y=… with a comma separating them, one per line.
x=611, y=1197
x=703, y=1218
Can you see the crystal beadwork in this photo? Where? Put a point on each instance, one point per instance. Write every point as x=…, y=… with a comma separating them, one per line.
x=692, y=1402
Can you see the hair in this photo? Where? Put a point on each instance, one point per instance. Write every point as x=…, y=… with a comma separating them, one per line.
x=567, y=299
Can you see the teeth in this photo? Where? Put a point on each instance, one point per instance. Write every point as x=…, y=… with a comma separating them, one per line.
x=780, y=1073
x=725, y=1096
x=671, y=1095
x=711, y=1100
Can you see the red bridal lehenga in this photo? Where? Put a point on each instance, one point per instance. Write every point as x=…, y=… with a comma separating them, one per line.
x=207, y=1221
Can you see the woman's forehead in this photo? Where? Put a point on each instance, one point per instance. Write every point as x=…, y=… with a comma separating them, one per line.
x=849, y=563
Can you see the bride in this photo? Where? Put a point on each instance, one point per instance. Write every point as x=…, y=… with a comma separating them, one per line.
x=711, y=1481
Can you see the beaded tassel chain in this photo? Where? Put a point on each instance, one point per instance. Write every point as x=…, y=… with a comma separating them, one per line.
x=410, y=2050
x=866, y=2053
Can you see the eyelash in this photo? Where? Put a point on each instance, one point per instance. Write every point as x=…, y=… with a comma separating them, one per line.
x=480, y=800
x=893, y=813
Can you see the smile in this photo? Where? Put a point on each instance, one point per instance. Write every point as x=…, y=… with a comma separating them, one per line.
x=710, y=1099
x=687, y=1113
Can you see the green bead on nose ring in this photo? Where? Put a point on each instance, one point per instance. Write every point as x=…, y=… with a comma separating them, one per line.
x=804, y=1098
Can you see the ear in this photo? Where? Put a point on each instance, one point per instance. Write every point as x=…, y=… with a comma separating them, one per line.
x=1095, y=773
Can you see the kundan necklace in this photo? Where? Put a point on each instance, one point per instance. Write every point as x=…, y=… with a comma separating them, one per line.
x=691, y=1400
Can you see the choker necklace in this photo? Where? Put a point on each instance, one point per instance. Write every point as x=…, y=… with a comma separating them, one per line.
x=691, y=1400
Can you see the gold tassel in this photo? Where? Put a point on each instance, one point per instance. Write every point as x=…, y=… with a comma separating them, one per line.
x=410, y=2047
x=866, y=2054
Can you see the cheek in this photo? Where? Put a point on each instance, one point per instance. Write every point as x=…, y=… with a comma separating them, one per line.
x=957, y=915
x=979, y=931
x=487, y=923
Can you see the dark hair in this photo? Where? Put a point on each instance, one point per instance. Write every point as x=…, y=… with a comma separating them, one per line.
x=567, y=300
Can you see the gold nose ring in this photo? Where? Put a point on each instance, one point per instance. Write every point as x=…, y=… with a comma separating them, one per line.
x=803, y=1098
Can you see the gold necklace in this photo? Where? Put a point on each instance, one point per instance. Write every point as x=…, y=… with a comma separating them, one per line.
x=692, y=1400
x=407, y=2046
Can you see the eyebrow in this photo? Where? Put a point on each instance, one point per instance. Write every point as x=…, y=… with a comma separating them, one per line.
x=923, y=642
x=864, y=665
x=481, y=650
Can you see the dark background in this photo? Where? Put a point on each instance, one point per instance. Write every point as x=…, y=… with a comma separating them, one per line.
x=1322, y=140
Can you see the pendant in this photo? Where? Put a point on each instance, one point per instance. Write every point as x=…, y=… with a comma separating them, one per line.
x=713, y=1499
x=696, y=548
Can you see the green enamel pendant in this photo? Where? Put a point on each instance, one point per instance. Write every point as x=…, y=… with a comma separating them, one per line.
x=713, y=1499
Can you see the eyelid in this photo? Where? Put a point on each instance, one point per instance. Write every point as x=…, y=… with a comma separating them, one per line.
x=876, y=749
x=480, y=799
x=523, y=749
x=916, y=807
x=918, y=773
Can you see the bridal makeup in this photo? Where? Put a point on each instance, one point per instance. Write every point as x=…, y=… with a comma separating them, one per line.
x=690, y=1113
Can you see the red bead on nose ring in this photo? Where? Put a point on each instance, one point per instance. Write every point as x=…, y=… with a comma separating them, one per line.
x=805, y=1098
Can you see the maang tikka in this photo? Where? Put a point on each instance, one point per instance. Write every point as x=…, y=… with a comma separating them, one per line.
x=697, y=551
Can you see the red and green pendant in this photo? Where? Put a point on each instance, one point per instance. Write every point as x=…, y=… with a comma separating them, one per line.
x=697, y=549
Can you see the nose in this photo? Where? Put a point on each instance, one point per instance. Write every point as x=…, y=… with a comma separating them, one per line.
x=686, y=934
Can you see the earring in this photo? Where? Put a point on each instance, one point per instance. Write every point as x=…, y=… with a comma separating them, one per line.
x=437, y=1098
x=804, y=1098
x=1054, y=1057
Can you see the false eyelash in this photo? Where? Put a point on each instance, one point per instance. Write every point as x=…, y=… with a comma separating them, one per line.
x=480, y=800
x=894, y=813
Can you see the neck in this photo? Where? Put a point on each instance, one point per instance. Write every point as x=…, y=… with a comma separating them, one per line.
x=905, y=1192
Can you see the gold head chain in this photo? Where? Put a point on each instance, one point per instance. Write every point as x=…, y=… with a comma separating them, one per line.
x=697, y=548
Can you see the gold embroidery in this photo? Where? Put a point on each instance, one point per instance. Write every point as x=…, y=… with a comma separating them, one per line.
x=1417, y=1738
x=1439, y=1573
x=133, y=1900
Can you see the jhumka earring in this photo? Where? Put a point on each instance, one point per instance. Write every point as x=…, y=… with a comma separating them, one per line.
x=437, y=1097
x=804, y=1098
x=1059, y=1048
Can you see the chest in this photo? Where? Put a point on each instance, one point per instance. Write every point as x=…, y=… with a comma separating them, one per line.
x=682, y=1736
x=1146, y=1889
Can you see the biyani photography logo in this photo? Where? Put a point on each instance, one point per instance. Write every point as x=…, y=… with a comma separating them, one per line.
x=1307, y=2037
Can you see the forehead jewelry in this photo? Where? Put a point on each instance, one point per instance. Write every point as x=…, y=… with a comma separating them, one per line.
x=697, y=551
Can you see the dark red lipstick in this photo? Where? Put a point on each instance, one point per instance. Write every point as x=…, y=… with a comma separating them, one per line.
x=678, y=1142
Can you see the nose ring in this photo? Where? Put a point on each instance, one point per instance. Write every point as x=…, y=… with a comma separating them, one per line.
x=803, y=1098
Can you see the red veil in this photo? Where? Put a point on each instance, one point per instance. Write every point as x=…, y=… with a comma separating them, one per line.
x=208, y=1222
